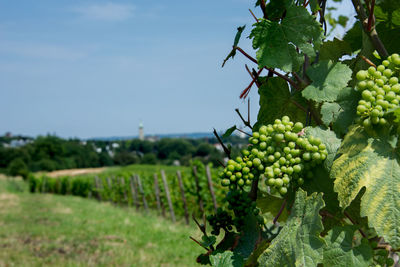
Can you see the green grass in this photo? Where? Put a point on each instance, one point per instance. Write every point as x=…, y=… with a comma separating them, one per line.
x=51, y=230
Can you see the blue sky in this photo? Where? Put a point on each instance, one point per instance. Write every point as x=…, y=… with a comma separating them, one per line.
x=99, y=68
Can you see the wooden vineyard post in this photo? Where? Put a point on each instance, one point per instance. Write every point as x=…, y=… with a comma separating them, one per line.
x=171, y=208
x=122, y=183
x=196, y=179
x=146, y=207
x=160, y=207
x=109, y=189
x=178, y=174
x=210, y=186
x=98, y=187
x=134, y=193
x=44, y=185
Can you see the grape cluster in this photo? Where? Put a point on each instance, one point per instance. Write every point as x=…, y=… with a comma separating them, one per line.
x=278, y=151
x=380, y=91
x=242, y=206
x=220, y=220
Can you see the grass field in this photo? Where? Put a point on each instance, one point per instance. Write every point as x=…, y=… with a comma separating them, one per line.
x=51, y=230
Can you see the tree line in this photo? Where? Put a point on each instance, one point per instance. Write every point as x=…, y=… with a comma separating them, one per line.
x=49, y=153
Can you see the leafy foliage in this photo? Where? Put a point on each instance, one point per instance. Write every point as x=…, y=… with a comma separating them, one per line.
x=328, y=79
x=341, y=250
x=298, y=243
x=374, y=164
x=276, y=99
x=277, y=42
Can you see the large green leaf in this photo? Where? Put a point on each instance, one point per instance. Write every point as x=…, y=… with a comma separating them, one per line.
x=298, y=243
x=226, y=259
x=341, y=113
x=276, y=42
x=328, y=79
x=270, y=206
x=248, y=238
x=373, y=164
x=276, y=100
x=341, y=252
x=335, y=49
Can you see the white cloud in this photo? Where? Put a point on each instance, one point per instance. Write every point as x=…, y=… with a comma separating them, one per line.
x=106, y=11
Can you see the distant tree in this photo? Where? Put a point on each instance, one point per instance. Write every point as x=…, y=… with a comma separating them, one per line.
x=18, y=167
x=149, y=158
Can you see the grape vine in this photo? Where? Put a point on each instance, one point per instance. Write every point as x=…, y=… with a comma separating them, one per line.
x=318, y=183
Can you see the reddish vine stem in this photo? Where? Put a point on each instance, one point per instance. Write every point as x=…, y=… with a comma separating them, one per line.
x=371, y=16
x=369, y=62
x=246, y=91
x=253, y=190
x=272, y=70
x=254, y=16
x=373, y=35
x=280, y=211
x=226, y=150
x=248, y=111
x=198, y=243
x=263, y=8
x=355, y=223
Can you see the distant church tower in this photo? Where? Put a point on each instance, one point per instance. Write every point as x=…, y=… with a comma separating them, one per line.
x=141, y=132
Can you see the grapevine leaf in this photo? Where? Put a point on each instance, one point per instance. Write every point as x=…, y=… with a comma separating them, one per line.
x=276, y=8
x=235, y=43
x=276, y=101
x=329, y=112
x=249, y=237
x=387, y=13
x=341, y=252
x=342, y=112
x=333, y=50
x=226, y=259
x=321, y=183
x=229, y=132
x=277, y=42
x=298, y=243
x=270, y=206
x=328, y=78
x=208, y=240
x=373, y=164
x=328, y=138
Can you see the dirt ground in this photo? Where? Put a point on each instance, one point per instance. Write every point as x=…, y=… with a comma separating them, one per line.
x=74, y=172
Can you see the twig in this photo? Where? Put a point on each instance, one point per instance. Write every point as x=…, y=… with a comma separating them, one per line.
x=243, y=132
x=226, y=150
x=263, y=8
x=248, y=111
x=355, y=223
x=220, y=163
x=248, y=70
x=254, y=189
x=245, y=54
x=244, y=121
x=256, y=74
x=198, y=243
x=254, y=16
x=373, y=34
x=246, y=91
x=369, y=62
x=280, y=211
x=298, y=105
x=371, y=17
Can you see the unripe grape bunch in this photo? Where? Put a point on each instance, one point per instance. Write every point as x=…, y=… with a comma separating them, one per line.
x=380, y=91
x=280, y=152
